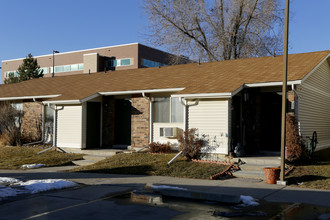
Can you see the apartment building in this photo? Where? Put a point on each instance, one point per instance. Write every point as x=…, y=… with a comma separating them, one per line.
x=119, y=57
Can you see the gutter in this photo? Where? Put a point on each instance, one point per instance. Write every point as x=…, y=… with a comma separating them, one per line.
x=267, y=84
x=130, y=92
x=29, y=97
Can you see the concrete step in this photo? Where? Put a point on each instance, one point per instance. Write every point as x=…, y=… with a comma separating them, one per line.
x=94, y=157
x=253, y=167
x=250, y=174
x=98, y=152
x=264, y=161
x=84, y=162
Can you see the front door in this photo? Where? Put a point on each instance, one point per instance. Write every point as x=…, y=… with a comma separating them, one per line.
x=271, y=121
x=123, y=122
x=93, y=136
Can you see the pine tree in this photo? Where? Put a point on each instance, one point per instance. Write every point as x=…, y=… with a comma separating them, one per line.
x=28, y=70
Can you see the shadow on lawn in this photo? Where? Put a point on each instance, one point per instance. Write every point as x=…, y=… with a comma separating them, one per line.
x=136, y=170
x=304, y=178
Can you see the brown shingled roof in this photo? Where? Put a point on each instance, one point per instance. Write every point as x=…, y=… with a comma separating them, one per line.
x=214, y=77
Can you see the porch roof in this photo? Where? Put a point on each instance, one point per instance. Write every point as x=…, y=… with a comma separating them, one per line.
x=223, y=77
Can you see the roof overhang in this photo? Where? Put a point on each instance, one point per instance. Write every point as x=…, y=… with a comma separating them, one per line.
x=29, y=97
x=224, y=95
x=203, y=95
x=267, y=84
x=72, y=102
x=131, y=92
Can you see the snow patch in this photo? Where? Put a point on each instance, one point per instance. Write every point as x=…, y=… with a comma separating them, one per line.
x=248, y=201
x=7, y=191
x=35, y=186
x=8, y=180
x=31, y=166
x=13, y=187
x=167, y=187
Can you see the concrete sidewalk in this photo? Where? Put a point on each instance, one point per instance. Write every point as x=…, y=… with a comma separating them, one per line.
x=233, y=186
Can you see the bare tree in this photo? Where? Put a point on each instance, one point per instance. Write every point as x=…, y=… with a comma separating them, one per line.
x=11, y=123
x=213, y=30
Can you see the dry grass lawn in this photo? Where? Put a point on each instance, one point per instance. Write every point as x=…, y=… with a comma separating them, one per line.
x=315, y=174
x=153, y=164
x=15, y=157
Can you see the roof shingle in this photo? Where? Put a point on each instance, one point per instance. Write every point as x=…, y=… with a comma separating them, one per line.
x=214, y=77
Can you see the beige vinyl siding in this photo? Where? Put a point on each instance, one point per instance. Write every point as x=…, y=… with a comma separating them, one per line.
x=314, y=105
x=211, y=118
x=69, y=127
x=156, y=132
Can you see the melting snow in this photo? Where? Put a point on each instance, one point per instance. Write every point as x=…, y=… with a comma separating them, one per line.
x=13, y=187
x=167, y=187
x=30, y=166
x=8, y=180
x=248, y=201
x=35, y=186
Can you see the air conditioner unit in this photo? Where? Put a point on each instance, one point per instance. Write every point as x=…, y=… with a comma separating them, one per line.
x=168, y=132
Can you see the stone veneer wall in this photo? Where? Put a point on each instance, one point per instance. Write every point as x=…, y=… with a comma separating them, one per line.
x=140, y=121
x=32, y=121
x=108, y=111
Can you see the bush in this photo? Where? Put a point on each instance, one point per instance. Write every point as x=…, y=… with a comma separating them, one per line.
x=156, y=147
x=190, y=144
x=296, y=151
x=11, y=124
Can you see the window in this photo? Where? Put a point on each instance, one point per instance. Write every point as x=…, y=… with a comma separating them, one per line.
x=167, y=110
x=67, y=68
x=176, y=110
x=59, y=69
x=13, y=72
x=125, y=62
x=80, y=66
x=161, y=109
x=45, y=70
x=119, y=62
x=74, y=67
x=150, y=63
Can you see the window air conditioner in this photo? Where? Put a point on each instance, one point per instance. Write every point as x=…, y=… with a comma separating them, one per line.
x=168, y=132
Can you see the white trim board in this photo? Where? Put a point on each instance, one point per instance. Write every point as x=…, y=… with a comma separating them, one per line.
x=141, y=91
x=29, y=97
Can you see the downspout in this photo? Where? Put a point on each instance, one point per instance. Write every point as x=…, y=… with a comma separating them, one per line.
x=42, y=125
x=185, y=103
x=55, y=123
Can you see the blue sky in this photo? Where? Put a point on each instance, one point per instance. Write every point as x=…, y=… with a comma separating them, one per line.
x=40, y=26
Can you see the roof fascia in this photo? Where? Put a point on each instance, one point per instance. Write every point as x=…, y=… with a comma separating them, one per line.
x=29, y=97
x=141, y=91
x=72, y=102
x=267, y=84
x=89, y=98
x=203, y=95
x=315, y=68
